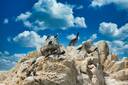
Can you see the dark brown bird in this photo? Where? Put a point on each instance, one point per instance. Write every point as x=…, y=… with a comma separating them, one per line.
x=74, y=40
x=47, y=37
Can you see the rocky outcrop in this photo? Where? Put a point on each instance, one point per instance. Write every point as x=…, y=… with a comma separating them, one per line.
x=125, y=62
x=103, y=51
x=73, y=67
x=3, y=76
x=44, y=72
x=120, y=75
x=111, y=81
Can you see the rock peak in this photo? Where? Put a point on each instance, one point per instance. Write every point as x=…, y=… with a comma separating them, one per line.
x=54, y=64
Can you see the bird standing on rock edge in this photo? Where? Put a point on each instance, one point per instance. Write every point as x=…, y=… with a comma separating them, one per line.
x=74, y=40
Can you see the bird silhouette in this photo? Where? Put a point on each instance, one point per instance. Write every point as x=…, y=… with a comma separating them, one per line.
x=74, y=40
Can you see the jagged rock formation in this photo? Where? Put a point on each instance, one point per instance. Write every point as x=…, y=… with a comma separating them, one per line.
x=103, y=51
x=73, y=67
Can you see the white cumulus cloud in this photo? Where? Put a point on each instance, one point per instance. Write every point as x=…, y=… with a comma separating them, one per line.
x=6, y=21
x=80, y=21
x=112, y=30
x=24, y=16
x=120, y=3
x=71, y=36
x=93, y=37
x=51, y=14
x=80, y=7
x=118, y=47
x=30, y=39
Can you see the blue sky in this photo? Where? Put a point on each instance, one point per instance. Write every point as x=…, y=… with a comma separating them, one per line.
x=24, y=24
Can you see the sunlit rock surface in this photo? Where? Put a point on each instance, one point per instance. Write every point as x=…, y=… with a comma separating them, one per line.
x=74, y=67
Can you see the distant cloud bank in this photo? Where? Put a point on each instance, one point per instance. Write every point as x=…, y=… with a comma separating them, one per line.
x=8, y=60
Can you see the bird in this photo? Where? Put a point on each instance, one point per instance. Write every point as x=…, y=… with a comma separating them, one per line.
x=47, y=37
x=74, y=40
